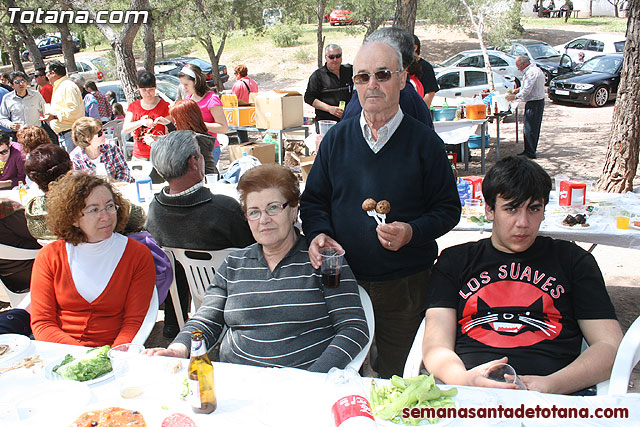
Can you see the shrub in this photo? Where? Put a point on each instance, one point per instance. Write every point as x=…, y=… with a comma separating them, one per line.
x=303, y=56
x=284, y=35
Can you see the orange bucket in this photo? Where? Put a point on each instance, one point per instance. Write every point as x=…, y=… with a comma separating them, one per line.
x=477, y=112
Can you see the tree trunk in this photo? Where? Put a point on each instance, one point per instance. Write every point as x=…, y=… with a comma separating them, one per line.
x=211, y=52
x=321, y=5
x=615, y=10
x=27, y=38
x=477, y=21
x=405, y=17
x=621, y=161
x=149, y=45
x=67, y=48
x=10, y=45
x=590, y=8
x=122, y=44
x=539, y=8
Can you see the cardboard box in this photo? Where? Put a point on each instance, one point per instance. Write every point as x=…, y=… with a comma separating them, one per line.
x=278, y=109
x=266, y=153
x=238, y=112
x=305, y=165
x=572, y=193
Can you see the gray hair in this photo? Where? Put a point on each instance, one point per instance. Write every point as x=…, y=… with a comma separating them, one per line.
x=523, y=59
x=77, y=79
x=331, y=46
x=170, y=154
x=397, y=38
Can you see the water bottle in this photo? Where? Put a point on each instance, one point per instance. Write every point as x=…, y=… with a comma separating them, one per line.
x=352, y=408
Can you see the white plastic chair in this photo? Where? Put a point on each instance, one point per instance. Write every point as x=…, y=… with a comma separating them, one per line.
x=173, y=290
x=200, y=269
x=149, y=320
x=627, y=358
x=16, y=254
x=223, y=140
x=357, y=361
x=414, y=359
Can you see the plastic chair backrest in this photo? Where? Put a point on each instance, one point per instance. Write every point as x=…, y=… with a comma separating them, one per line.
x=414, y=359
x=16, y=254
x=200, y=268
x=223, y=140
x=173, y=290
x=357, y=361
x=627, y=358
x=149, y=320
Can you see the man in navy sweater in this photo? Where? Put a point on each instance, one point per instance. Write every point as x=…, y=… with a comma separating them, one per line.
x=385, y=155
x=410, y=101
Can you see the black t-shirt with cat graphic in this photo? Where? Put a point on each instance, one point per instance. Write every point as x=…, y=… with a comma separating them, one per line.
x=523, y=305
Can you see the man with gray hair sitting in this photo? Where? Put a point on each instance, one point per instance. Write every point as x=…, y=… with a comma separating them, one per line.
x=329, y=85
x=185, y=214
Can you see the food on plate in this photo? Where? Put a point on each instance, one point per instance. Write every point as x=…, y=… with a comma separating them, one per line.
x=26, y=363
x=92, y=365
x=112, y=417
x=389, y=401
x=383, y=207
x=573, y=220
x=3, y=349
x=369, y=204
x=178, y=420
x=480, y=219
x=173, y=366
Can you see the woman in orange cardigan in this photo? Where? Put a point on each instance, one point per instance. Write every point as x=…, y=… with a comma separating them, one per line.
x=92, y=287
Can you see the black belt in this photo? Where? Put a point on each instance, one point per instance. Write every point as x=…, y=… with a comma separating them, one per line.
x=64, y=132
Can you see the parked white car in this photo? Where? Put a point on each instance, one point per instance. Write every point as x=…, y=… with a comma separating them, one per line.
x=593, y=45
x=466, y=82
x=92, y=67
x=501, y=63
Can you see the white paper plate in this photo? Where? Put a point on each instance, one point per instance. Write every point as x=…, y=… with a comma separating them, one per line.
x=18, y=346
x=50, y=375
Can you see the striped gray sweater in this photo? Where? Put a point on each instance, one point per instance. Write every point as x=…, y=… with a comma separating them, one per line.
x=284, y=318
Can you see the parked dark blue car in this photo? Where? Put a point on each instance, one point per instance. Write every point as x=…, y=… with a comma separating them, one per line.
x=51, y=45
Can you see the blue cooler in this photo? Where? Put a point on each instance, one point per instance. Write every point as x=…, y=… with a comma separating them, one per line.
x=476, y=140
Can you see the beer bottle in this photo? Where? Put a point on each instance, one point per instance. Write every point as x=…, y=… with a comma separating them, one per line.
x=202, y=395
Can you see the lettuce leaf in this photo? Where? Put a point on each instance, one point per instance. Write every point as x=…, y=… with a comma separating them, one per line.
x=92, y=365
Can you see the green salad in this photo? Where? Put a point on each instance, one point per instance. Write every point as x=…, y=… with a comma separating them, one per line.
x=92, y=365
x=389, y=401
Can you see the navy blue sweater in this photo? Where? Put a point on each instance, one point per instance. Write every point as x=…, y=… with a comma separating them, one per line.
x=411, y=172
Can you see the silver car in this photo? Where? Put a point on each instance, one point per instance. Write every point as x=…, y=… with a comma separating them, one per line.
x=501, y=63
x=466, y=82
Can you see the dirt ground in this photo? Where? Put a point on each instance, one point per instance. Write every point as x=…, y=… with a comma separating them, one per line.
x=573, y=142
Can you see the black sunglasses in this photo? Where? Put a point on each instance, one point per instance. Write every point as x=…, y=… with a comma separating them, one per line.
x=17, y=82
x=3, y=152
x=381, y=76
x=337, y=55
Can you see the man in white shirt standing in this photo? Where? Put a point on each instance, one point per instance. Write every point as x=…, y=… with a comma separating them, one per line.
x=23, y=106
x=532, y=93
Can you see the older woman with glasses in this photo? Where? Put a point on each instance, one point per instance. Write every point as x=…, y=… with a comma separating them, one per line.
x=93, y=150
x=93, y=286
x=269, y=295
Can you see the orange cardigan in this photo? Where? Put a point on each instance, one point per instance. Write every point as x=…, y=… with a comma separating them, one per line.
x=60, y=314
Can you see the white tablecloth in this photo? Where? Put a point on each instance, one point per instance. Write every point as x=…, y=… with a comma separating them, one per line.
x=247, y=396
x=457, y=131
x=603, y=230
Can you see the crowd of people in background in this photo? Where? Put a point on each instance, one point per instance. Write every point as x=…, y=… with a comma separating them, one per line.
x=94, y=283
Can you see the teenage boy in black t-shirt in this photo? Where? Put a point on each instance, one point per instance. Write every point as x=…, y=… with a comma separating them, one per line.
x=519, y=298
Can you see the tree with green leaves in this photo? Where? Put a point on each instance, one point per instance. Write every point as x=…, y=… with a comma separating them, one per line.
x=121, y=41
x=27, y=39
